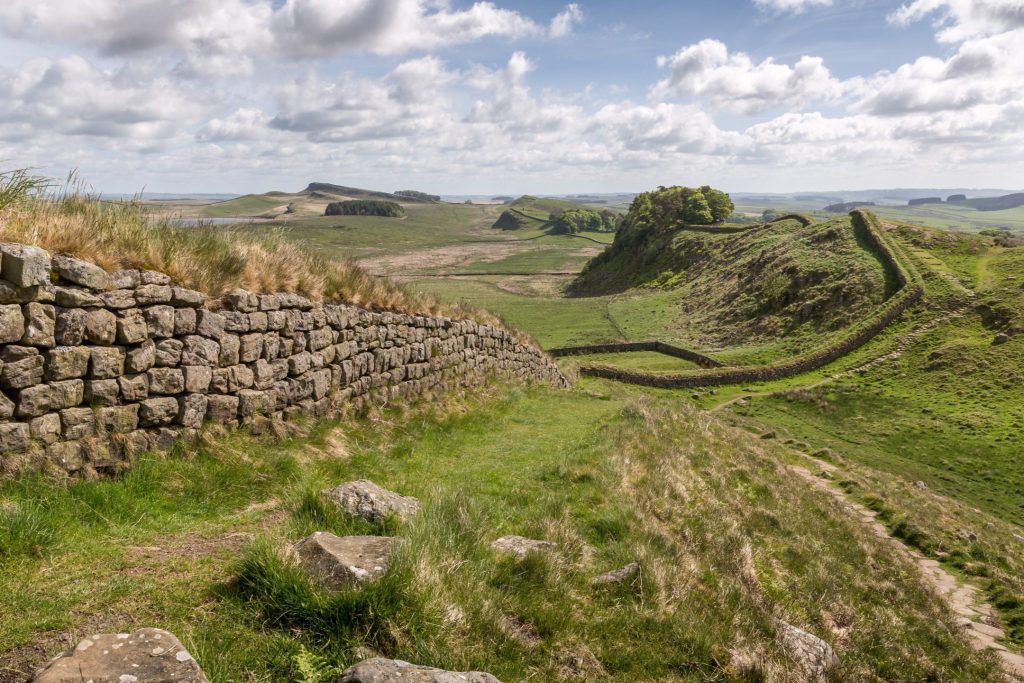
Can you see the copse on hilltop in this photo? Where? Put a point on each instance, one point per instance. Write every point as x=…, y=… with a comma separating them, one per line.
x=674, y=206
x=573, y=221
x=365, y=207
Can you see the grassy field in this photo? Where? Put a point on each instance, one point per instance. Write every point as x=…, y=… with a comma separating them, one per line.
x=191, y=543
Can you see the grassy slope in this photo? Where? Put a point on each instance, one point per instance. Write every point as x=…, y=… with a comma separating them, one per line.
x=611, y=477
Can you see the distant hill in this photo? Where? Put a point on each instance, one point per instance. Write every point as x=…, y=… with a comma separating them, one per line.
x=846, y=207
x=416, y=194
x=358, y=193
x=924, y=200
x=535, y=212
x=1009, y=201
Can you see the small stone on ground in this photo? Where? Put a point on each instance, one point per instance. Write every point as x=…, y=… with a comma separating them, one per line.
x=366, y=500
x=521, y=547
x=627, y=573
x=393, y=670
x=814, y=655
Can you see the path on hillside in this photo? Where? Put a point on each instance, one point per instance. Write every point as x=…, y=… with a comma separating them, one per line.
x=974, y=615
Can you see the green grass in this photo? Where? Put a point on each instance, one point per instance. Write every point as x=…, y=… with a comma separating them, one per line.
x=609, y=476
x=247, y=205
x=649, y=361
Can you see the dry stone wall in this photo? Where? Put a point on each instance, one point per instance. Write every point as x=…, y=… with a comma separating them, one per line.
x=97, y=367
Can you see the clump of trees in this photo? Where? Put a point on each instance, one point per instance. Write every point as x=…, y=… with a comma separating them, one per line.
x=413, y=194
x=668, y=207
x=573, y=221
x=365, y=207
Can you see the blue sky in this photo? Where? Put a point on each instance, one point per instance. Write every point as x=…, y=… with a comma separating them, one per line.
x=510, y=96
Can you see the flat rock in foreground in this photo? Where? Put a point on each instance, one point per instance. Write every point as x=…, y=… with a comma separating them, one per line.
x=814, y=655
x=364, y=499
x=340, y=561
x=150, y=655
x=521, y=547
x=393, y=670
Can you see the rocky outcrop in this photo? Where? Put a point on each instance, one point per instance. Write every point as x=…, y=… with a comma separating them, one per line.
x=96, y=367
x=341, y=561
x=151, y=655
x=389, y=670
x=366, y=500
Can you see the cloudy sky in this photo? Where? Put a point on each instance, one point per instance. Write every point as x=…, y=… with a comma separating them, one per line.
x=509, y=96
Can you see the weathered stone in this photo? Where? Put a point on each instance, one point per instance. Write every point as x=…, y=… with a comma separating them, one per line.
x=1000, y=338
x=192, y=410
x=235, y=321
x=338, y=562
x=197, y=378
x=33, y=401
x=200, y=351
x=188, y=298
x=321, y=383
x=78, y=423
x=140, y=358
x=22, y=367
x=184, y=321
x=231, y=379
x=147, y=295
x=163, y=439
x=277, y=320
x=76, y=297
x=25, y=266
x=364, y=499
x=102, y=392
x=151, y=655
x=222, y=408
x=65, y=454
x=107, y=362
x=166, y=381
x=66, y=394
x=45, y=428
x=132, y=327
x=6, y=407
x=39, y=324
x=82, y=273
x=250, y=347
x=299, y=363
x=119, y=419
x=626, y=574
x=521, y=547
x=813, y=654
x=134, y=387
x=154, y=277
x=155, y=412
x=66, y=362
x=230, y=345
x=125, y=279
x=12, y=294
x=160, y=321
x=270, y=302
x=100, y=327
x=258, y=322
x=168, y=353
x=14, y=436
x=119, y=299
x=394, y=670
x=69, y=329
x=252, y=402
x=243, y=301
x=12, y=324
x=209, y=324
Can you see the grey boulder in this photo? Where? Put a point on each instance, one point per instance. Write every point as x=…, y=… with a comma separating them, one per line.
x=150, y=654
x=813, y=654
x=82, y=273
x=393, y=670
x=521, y=547
x=341, y=561
x=364, y=499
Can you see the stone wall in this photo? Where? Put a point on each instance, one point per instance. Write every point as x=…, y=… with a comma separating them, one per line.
x=96, y=367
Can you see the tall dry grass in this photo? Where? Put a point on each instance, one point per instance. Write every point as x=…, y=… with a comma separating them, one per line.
x=213, y=260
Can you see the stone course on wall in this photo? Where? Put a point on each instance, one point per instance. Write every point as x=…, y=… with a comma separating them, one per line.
x=97, y=367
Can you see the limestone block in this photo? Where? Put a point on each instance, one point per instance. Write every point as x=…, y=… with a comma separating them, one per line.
x=209, y=324
x=45, y=428
x=107, y=362
x=251, y=402
x=102, y=392
x=235, y=321
x=40, y=320
x=22, y=367
x=24, y=266
x=160, y=321
x=78, y=423
x=14, y=436
x=33, y=401
x=134, y=387
x=166, y=381
x=12, y=324
x=521, y=547
x=147, y=295
x=200, y=351
x=184, y=321
x=100, y=327
x=69, y=328
x=156, y=412
x=65, y=454
x=119, y=299
x=230, y=345
x=168, y=353
x=338, y=562
x=197, y=378
x=119, y=419
x=258, y=322
x=140, y=358
x=367, y=500
x=82, y=273
x=379, y=670
x=132, y=327
x=76, y=297
x=242, y=301
x=192, y=410
x=222, y=408
x=125, y=279
x=187, y=298
x=153, y=277
x=66, y=394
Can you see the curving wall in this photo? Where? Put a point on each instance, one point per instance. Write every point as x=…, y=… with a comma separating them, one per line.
x=97, y=367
